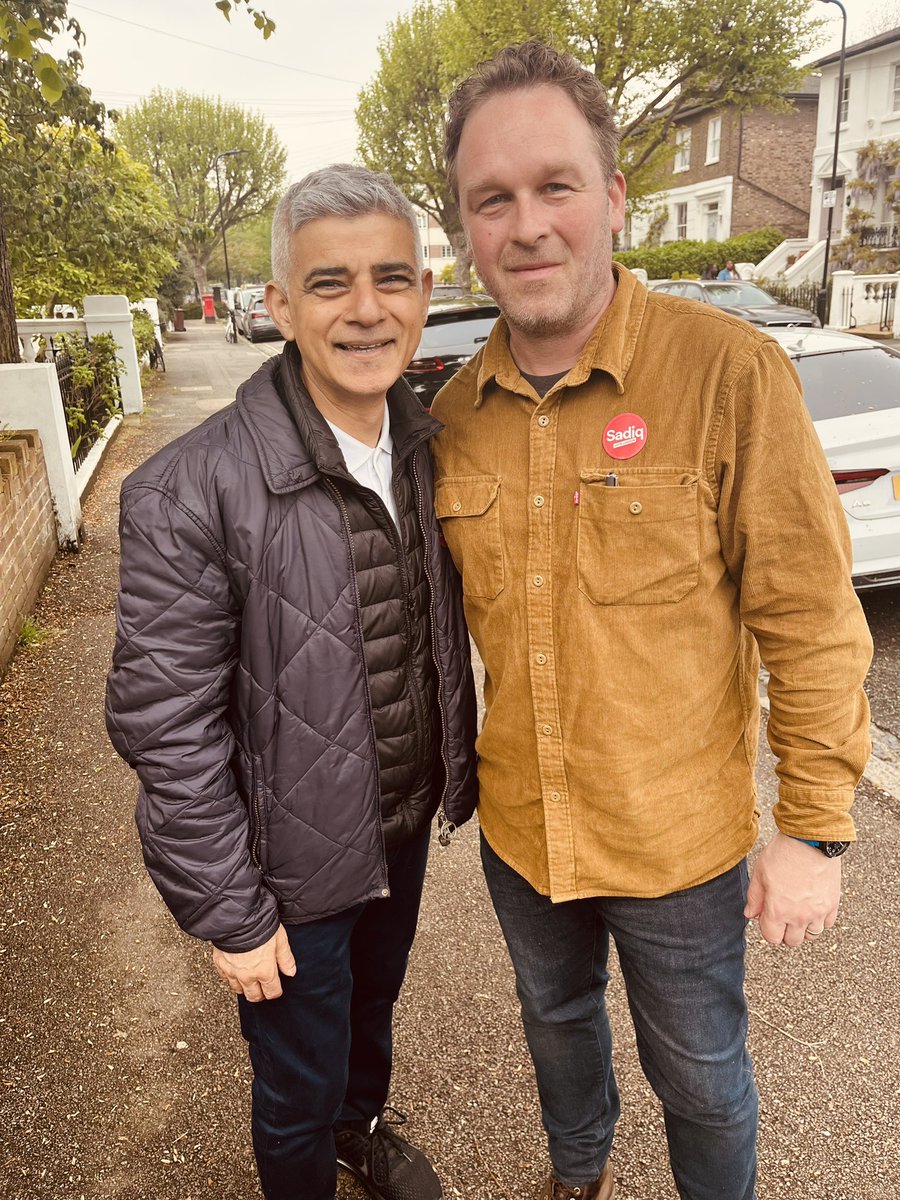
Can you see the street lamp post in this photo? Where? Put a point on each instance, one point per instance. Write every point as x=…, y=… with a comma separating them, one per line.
x=823, y=291
x=216, y=160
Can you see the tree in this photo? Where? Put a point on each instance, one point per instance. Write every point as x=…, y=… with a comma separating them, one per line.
x=37, y=90
x=401, y=119
x=656, y=60
x=83, y=218
x=249, y=252
x=180, y=137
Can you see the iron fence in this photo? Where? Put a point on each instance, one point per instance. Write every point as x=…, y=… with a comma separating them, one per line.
x=880, y=237
x=86, y=407
x=800, y=295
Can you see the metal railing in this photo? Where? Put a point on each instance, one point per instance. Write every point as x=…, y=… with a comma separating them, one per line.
x=800, y=295
x=880, y=237
x=86, y=409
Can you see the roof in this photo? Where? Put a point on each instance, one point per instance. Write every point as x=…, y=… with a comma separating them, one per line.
x=873, y=43
x=808, y=90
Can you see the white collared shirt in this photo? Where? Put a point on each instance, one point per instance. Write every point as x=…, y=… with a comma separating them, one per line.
x=372, y=466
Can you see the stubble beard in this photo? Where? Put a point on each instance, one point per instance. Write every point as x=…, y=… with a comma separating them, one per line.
x=545, y=318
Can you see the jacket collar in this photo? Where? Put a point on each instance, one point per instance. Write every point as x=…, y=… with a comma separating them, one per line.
x=610, y=347
x=292, y=437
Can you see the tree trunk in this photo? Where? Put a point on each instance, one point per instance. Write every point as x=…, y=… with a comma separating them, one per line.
x=463, y=268
x=200, y=276
x=9, y=337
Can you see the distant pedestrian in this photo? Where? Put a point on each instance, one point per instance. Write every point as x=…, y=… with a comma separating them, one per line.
x=710, y=271
x=640, y=508
x=728, y=271
x=292, y=684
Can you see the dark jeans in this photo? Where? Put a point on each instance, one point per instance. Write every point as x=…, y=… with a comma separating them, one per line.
x=682, y=959
x=321, y=1053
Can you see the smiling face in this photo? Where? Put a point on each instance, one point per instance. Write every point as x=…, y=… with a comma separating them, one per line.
x=539, y=212
x=355, y=304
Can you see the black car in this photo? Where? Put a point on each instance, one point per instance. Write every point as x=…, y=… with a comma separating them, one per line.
x=455, y=329
x=740, y=299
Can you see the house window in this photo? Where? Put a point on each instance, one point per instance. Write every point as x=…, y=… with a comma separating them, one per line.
x=447, y=252
x=711, y=220
x=713, y=139
x=844, y=107
x=683, y=150
x=426, y=252
x=680, y=222
x=896, y=104
x=422, y=220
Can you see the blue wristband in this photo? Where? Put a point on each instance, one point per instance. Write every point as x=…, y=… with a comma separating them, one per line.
x=815, y=845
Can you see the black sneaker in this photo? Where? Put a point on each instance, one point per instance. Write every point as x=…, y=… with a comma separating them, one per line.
x=387, y=1166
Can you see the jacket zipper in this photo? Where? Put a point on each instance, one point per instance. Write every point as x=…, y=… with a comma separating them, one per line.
x=446, y=828
x=345, y=519
x=257, y=813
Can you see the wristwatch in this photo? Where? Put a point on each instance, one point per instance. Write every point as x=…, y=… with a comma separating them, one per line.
x=829, y=849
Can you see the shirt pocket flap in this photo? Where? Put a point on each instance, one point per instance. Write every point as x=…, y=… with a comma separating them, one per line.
x=465, y=495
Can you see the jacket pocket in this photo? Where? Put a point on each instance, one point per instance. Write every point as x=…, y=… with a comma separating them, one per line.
x=639, y=542
x=258, y=812
x=468, y=507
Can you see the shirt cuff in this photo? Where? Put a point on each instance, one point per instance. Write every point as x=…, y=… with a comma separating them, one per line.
x=815, y=814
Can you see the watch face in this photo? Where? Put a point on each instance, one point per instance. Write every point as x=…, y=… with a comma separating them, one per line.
x=833, y=849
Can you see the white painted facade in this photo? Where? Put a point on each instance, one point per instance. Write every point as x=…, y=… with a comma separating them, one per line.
x=701, y=211
x=872, y=113
x=436, y=248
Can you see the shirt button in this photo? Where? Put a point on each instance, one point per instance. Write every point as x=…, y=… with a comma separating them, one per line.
x=555, y=796
x=385, y=891
x=543, y=422
x=456, y=506
x=540, y=659
x=538, y=581
x=539, y=502
x=635, y=506
x=547, y=729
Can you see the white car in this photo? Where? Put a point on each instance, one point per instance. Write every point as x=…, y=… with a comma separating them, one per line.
x=852, y=390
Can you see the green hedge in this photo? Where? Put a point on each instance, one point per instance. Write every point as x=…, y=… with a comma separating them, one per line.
x=678, y=259
x=194, y=310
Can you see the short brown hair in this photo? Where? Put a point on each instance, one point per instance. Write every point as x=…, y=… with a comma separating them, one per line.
x=532, y=64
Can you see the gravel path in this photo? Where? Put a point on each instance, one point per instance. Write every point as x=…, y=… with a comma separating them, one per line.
x=124, y=1074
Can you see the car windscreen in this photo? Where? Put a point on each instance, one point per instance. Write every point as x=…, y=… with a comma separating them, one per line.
x=849, y=382
x=465, y=330
x=729, y=295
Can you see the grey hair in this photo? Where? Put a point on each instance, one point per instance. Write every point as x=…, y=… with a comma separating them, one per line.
x=341, y=190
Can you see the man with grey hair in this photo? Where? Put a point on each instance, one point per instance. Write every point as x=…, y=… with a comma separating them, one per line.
x=291, y=682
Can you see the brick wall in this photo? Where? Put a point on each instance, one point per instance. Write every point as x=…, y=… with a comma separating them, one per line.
x=27, y=533
x=773, y=188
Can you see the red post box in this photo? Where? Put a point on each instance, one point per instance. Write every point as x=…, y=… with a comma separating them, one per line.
x=209, y=309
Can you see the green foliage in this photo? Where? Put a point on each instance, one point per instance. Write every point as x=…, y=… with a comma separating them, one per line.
x=249, y=252
x=193, y=310
x=82, y=217
x=32, y=634
x=181, y=137
x=689, y=258
x=95, y=398
x=144, y=332
x=656, y=60
x=878, y=165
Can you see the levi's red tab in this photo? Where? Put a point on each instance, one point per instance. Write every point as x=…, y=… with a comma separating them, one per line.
x=625, y=436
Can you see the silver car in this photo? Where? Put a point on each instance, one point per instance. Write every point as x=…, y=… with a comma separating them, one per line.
x=852, y=390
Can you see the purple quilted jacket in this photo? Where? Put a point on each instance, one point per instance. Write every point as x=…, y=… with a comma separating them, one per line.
x=238, y=690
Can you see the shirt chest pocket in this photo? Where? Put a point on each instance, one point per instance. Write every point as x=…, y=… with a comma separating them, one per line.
x=468, y=508
x=639, y=542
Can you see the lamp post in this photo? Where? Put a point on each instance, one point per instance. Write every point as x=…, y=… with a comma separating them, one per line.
x=216, y=160
x=823, y=291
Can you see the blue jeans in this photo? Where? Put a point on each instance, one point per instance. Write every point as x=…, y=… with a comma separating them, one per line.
x=682, y=960
x=321, y=1053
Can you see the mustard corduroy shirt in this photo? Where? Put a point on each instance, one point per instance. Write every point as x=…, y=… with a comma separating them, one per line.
x=629, y=545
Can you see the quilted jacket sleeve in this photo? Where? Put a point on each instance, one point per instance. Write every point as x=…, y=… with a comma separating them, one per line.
x=177, y=639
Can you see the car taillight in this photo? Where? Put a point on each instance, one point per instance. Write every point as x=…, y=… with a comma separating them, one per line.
x=850, y=481
x=419, y=366
x=258, y=316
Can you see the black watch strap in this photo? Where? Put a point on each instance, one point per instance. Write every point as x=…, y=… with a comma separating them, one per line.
x=829, y=849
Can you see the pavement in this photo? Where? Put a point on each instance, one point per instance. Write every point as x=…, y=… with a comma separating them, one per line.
x=124, y=1074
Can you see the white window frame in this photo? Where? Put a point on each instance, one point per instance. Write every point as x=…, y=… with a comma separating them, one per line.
x=681, y=216
x=426, y=251
x=683, y=149
x=895, y=91
x=714, y=140
x=711, y=207
x=422, y=220
x=843, y=102
x=447, y=252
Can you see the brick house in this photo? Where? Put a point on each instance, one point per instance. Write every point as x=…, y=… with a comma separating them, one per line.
x=732, y=172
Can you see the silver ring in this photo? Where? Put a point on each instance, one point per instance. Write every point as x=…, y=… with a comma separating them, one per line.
x=814, y=933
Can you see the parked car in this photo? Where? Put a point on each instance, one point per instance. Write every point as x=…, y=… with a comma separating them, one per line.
x=243, y=298
x=258, y=325
x=740, y=299
x=852, y=390
x=455, y=329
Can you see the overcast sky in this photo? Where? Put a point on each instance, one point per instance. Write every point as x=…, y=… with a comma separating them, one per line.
x=304, y=80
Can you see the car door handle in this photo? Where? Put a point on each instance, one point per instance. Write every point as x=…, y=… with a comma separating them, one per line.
x=480, y=339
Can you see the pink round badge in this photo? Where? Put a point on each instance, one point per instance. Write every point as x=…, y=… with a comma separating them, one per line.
x=625, y=436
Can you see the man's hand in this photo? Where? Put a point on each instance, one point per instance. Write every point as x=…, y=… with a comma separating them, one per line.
x=795, y=891
x=254, y=974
